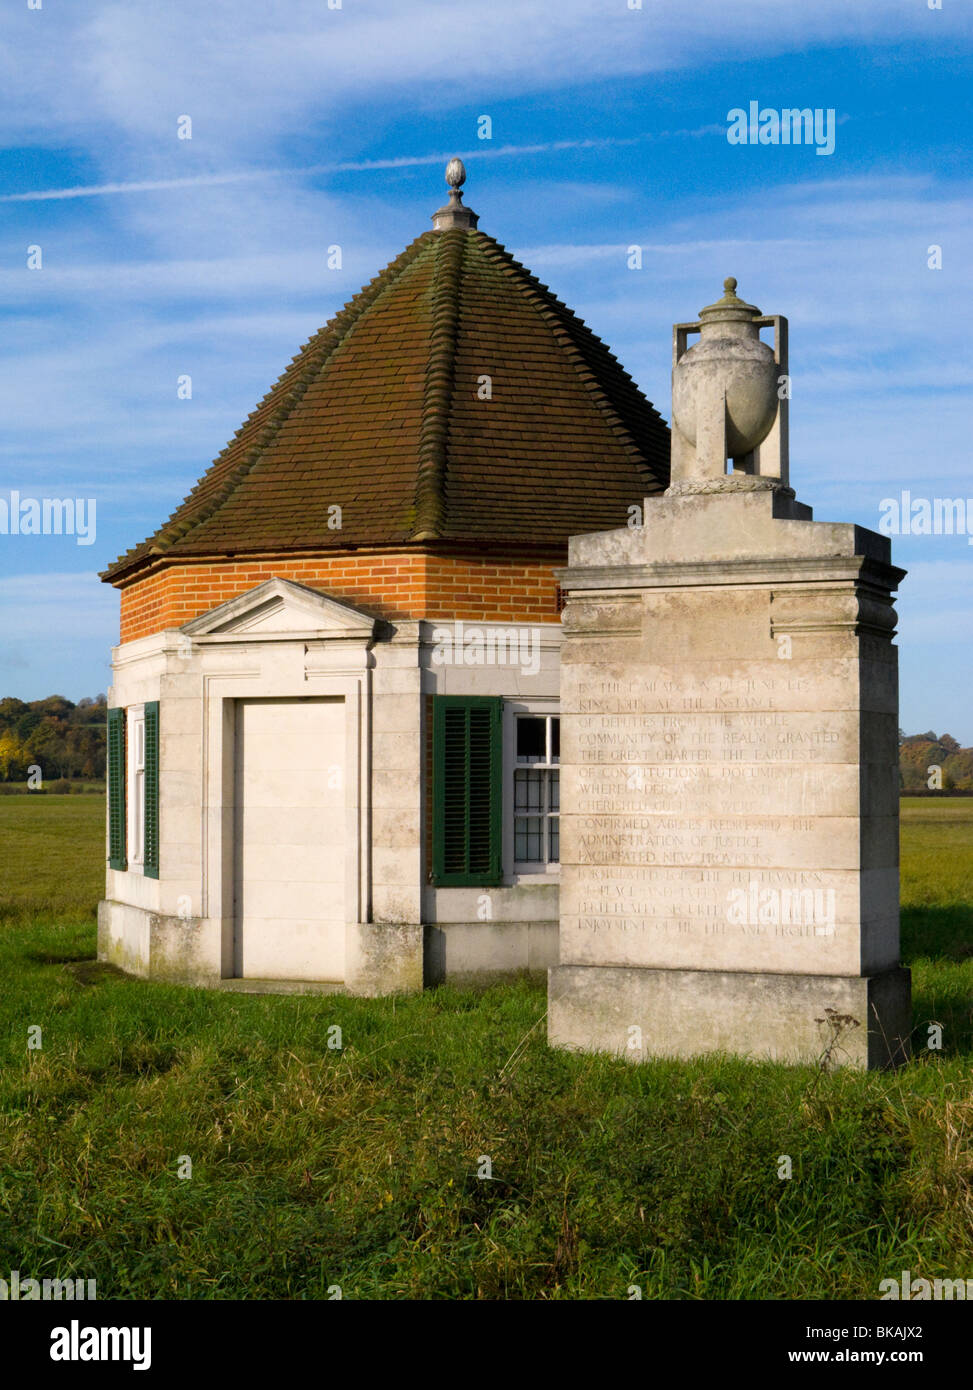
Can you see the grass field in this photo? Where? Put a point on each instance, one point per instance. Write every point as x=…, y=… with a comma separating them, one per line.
x=314, y=1167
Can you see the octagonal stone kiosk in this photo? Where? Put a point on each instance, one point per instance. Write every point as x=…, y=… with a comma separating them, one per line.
x=333, y=722
x=729, y=749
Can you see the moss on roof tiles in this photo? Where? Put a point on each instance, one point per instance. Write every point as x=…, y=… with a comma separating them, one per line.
x=383, y=413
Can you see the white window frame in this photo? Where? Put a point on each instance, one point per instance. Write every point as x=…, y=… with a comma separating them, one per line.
x=516, y=871
x=135, y=785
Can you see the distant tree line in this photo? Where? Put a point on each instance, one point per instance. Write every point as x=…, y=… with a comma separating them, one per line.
x=934, y=762
x=67, y=741
x=63, y=739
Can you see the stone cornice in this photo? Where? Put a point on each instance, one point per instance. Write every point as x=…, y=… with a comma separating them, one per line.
x=744, y=571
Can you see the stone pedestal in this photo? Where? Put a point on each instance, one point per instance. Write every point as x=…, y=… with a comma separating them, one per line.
x=729, y=755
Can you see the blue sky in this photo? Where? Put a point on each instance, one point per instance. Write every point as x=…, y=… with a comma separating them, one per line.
x=313, y=126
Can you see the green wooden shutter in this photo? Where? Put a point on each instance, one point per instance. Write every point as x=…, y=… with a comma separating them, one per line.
x=150, y=863
x=467, y=789
x=116, y=789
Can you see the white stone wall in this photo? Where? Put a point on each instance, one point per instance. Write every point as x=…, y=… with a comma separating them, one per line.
x=521, y=931
x=284, y=641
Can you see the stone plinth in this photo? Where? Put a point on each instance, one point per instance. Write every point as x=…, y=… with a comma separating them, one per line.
x=729, y=785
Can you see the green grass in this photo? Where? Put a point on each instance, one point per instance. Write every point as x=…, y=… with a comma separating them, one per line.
x=937, y=914
x=52, y=858
x=314, y=1167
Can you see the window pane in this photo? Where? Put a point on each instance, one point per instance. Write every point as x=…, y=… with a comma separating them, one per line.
x=528, y=789
x=529, y=839
x=531, y=740
x=535, y=791
x=536, y=798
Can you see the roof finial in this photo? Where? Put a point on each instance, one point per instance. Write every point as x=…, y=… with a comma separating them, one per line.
x=454, y=214
x=731, y=306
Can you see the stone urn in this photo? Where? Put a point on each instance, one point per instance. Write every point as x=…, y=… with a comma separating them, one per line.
x=729, y=360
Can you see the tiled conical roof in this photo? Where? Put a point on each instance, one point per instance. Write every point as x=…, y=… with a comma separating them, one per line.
x=386, y=414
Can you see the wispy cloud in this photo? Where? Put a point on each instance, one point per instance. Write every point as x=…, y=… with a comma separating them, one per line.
x=347, y=166
x=101, y=190
x=123, y=73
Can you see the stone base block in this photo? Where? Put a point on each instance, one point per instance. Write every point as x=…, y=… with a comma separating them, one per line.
x=154, y=945
x=239, y=985
x=383, y=958
x=480, y=954
x=380, y=957
x=641, y=1013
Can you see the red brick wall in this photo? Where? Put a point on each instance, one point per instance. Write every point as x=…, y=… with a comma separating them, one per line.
x=393, y=585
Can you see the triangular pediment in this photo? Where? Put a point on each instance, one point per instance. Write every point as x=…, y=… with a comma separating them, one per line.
x=279, y=607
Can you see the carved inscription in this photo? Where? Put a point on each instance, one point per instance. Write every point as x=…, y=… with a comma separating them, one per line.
x=684, y=693
x=696, y=805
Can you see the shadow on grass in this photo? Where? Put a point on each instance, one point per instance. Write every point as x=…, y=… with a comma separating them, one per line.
x=80, y=965
x=937, y=944
x=937, y=933
x=950, y=1008
x=92, y=972
x=59, y=957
